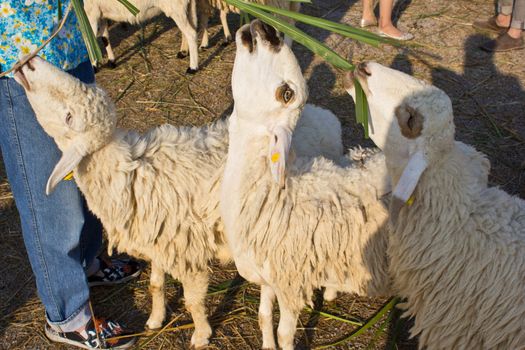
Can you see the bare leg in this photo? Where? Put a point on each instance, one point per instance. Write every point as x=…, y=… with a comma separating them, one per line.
x=266, y=316
x=195, y=288
x=287, y=324
x=385, y=19
x=515, y=33
x=158, y=308
x=107, y=43
x=503, y=20
x=368, y=12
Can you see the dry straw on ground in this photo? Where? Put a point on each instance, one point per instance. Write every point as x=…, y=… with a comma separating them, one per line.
x=150, y=88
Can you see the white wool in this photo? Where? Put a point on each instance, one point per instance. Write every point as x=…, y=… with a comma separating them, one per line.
x=457, y=252
x=325, y=226
x=156, y=194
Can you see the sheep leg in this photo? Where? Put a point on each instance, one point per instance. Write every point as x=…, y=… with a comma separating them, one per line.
x=330, y=293
x=107, y=44
x=204, y=17
x=156, y=288
x=227, y=34
x=183, y=52
x=287, y=323
x=266, y=316
x=184, y=13
x=195, y=288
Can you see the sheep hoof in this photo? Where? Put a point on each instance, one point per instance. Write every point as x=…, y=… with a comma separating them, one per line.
x=191, y=71
x=227, y=41
x=182, y=54
x=153, y=325
x=199, y=343
x=95, y=69
x=112, y=64
x=204, y=47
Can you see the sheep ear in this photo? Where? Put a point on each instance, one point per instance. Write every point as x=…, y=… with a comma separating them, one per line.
x=69, y=161
x=20, y=78
x=407, y=183
x=279, y=150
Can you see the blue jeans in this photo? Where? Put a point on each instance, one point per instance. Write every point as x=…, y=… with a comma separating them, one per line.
x=61, y=236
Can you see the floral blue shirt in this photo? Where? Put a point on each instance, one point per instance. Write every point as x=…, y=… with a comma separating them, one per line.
x=26, y=24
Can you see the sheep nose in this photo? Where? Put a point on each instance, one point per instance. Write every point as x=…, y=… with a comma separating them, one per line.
x=267, y=33
x=363, y=69
x=30, y=64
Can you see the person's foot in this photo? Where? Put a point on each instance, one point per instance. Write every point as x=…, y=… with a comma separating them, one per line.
x=113, y=271
x=98, y=334
x=394, y=33
x=492, y=24
x=502, y=43
x=368, y=22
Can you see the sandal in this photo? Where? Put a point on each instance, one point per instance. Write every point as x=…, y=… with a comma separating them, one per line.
x=403, y=37
x=114, y=271
x=367, y=23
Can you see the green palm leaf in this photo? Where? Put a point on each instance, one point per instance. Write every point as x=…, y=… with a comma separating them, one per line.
x=266, y=14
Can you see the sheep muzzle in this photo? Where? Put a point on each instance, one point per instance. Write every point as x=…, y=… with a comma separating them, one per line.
x=268, y=35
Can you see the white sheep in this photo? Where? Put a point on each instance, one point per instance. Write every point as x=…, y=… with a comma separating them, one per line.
x=205, y=9
x=157, y=194
x=457, y=247
x=293, y=225
x=183, y=12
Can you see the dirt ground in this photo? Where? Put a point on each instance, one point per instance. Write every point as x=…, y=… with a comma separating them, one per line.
x=150, y=88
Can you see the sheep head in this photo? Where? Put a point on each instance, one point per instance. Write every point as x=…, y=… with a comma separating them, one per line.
x=269, y=89
x=410, y=120
x=79, y=117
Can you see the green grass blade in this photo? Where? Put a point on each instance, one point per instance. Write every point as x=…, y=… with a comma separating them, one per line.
x=131, y=8
x=316, y=46
x=296, y=34
x=361, y=107
x=60, y=14
x=387, y=307
x=90, y=40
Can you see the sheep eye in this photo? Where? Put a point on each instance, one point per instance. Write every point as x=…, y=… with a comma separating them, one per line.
x=410, y=122
x=287, y=95
x=284, y=93
x=69, y=119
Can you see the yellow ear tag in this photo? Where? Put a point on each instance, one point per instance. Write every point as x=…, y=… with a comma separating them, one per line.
x=410, y=201
x=69, y=176
x=275, y=157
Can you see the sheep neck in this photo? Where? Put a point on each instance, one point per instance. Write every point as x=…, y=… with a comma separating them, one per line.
x=443, y=202
x=94, y=173
x=246, y=162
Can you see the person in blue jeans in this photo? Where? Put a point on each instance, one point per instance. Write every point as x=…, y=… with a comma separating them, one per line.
x=61, y=236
